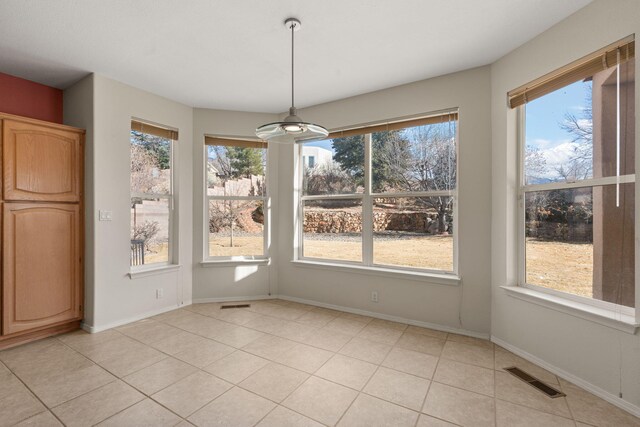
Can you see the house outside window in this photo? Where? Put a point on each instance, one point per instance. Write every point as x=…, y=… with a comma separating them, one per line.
x=382, y=196
x=152, y=202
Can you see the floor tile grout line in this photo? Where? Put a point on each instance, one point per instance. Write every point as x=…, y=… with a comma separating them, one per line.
x=46, y=408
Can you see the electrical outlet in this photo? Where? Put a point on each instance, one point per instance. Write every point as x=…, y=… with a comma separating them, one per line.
x=374, y=296
x=159, y=293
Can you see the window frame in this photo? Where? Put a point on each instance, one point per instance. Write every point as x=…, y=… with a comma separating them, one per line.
x=366, y=198
x=524, y=188
x=266, y=209
x=173, y=236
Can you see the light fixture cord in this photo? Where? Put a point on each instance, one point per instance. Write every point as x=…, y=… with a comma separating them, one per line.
x=293, y=26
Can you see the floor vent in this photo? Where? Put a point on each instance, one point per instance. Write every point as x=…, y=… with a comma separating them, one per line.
x=235, y=306
x=534, y=382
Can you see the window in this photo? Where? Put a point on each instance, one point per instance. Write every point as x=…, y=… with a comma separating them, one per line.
x=151, y=194
x=237, y=204
x=382, y=196
x=577, y=194
x=312, y=161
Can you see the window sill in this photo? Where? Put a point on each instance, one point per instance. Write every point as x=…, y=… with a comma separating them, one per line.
x=610, y=318
x=152, y=271
x=440, y=279
x=234, y=262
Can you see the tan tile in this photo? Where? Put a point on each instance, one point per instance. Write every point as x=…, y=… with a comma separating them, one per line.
x=321, y=400
x=512, y=389
x=43, y=419
x=369, y=351
x=591, y=409
x=334, y=313
x=146, y=413
x=270, y=347
x=465, y=339
x=346, y=326
x=97, y=405
x=315, y=318
x=305, y=358
x=154, y=378
x=411, y=362
x=295, y=331
x=148, y=331
x=427, y=421
x=4, y=370
x=179, y=342
x=191, y=393
x=187, y=322
x=352, y=316
x=426, y=331
x=206, y=309
x=463, y=375
x=459, y=406
x=327, y=339
x=239, y=336
x=267, y=324
x=237, y=366
x=389, y=324
x=211, y=328
x=506, y=359
x=16, y=402
x=132, y=360
x=236, y=316
x=33, y=360
x=274, y=381
x=422, y=343
x=468, y=353
x=368, y=411
x=347, y=371
x=205, y=353
x=511, y=415
x=54, y=387
x=78, y=339
x=381, y=333
x=236, y=408
x=283, y=417
x=399, y=388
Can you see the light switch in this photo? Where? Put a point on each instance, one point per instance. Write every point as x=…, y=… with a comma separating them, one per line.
x=106, y=215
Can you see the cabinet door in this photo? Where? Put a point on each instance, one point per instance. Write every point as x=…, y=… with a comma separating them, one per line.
x=41, y=265
x=40, y=162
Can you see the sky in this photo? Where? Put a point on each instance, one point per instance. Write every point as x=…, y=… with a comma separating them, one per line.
x=544, y=117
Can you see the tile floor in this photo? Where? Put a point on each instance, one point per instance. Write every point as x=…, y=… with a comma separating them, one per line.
x=280, y=363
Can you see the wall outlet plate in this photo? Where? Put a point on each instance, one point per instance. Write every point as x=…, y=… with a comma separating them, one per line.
x=374, y=296
x=159, y=293
x=105, y=215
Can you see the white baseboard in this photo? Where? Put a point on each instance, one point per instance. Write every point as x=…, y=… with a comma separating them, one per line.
x=387, y=317
x=593, y=389
x=94, y=329
x=225, y=299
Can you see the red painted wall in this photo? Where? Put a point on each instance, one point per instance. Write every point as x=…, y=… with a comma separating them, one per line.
x=30, y=99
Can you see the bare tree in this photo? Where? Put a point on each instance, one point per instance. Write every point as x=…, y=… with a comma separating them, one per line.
x=580, y=164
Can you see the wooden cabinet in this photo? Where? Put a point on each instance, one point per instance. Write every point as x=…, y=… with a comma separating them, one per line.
x=42, y=229
x=40, y=162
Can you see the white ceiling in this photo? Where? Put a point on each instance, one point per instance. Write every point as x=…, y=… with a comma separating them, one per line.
x=235, y=54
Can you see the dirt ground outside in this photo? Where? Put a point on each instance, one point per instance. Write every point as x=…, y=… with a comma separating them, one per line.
x=566, y=267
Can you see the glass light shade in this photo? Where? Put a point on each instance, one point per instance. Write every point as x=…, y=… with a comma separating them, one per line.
x=292, y=129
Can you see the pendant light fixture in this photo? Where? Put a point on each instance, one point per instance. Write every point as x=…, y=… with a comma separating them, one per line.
x=292, y=128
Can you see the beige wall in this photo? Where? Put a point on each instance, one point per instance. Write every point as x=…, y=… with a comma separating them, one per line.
x=604, y=359
x=112, y=297
x=465, y=306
